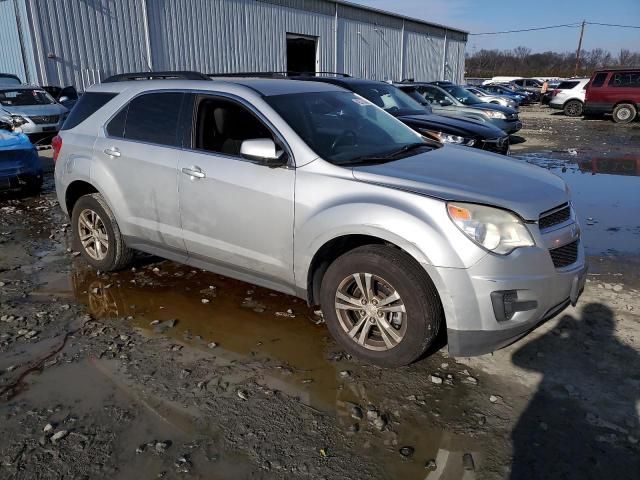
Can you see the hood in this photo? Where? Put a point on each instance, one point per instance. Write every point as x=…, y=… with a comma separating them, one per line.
x=470, y=175
x=494, y=106
x=29, y=110
x=455, y=126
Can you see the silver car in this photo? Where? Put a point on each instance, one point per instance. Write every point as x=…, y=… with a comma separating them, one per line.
x=32, y=109
x=492, y=98
x=311, y=190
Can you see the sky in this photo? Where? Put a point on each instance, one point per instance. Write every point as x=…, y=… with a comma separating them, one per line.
x=497, y=15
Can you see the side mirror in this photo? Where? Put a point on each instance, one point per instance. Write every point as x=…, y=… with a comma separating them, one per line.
x=63, y=99
x=446, y=102
x=263, y=150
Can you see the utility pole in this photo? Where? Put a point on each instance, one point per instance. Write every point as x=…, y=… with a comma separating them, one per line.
x=579, y=48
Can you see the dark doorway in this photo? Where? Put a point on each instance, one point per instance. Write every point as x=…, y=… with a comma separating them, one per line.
x=301, y=53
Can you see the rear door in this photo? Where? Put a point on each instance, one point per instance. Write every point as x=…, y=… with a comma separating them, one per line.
x=237, y=214
x=138, y=152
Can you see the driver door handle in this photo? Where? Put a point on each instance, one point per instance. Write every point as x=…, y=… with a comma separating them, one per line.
x=194, y=172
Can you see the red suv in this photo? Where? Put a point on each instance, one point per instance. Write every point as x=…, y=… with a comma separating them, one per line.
x=614, y=91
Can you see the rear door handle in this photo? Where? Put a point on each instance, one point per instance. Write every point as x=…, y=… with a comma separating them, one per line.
x=112, y=152
x=194, y=172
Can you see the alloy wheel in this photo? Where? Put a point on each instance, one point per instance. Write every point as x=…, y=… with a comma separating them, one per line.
x=93, y=234
x=370, y=311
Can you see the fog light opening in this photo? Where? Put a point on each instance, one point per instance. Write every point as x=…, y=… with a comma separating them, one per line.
x=506, y=304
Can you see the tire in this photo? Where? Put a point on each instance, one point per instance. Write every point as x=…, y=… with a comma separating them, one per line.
x=624, y=113
x=389, y=271
x=573, y=108
x=94, y=212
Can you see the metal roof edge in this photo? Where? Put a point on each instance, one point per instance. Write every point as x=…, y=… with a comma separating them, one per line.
x=396, y=15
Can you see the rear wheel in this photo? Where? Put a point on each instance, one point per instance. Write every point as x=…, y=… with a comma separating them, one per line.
x=97, y=236
x=573, y=108
x=380, y=305
x=624, y=113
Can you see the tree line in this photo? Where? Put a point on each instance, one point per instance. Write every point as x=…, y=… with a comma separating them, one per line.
x=522, y=62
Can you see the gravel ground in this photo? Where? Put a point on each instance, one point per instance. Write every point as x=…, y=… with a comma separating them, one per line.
x=178, y=373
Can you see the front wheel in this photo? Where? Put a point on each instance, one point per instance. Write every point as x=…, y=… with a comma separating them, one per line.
x=573, y=108
x=624, y=113
x=97, y=236
x=380, y=305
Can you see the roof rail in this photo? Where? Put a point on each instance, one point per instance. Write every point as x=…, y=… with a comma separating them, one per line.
x=275, y=74
x=168, y=75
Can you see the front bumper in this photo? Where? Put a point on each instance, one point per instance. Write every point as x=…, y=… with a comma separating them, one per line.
x=473, y=327
x=496, y=145
x=508, y=126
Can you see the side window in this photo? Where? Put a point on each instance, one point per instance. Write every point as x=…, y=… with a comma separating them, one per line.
x=153, y=118
x=625, y=79
x=115, y=128
x=222, y=125
x=88, y=104
x=599, y=79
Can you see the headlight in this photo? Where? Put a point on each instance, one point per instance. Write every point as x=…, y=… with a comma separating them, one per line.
x=448, y=138
x=492, y=228
x=18, y=120
x=494, y=114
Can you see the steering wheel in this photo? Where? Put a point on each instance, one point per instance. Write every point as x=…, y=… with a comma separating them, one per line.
x=343, y=136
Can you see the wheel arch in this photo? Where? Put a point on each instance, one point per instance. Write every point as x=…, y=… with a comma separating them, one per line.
x=74, y=191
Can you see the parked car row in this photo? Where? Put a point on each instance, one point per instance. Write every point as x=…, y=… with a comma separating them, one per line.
x=319, y=188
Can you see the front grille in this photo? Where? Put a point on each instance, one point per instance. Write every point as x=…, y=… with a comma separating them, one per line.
x=44, y=119
x=554, y=217
x=565, y=255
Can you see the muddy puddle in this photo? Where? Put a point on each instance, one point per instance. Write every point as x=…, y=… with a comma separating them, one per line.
x=249, y=323
x=606, y=195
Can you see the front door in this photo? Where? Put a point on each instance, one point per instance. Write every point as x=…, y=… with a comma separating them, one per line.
x=139, y=159
x=237, y=215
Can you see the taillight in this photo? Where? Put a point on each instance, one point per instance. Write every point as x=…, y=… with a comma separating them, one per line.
x=56, y=145
x=555, y=92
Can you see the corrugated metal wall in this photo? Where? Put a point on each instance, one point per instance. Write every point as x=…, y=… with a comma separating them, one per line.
x=454, y=69
x=369, y=44
x=221, y=36
x=10, y=54
x=81, y=41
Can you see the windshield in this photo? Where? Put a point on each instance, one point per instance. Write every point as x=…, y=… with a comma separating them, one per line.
x=463, y=96
x=391, y=99
x=344, y=128
x=25, y=97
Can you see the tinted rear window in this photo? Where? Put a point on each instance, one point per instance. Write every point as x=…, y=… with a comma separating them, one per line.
x=567, y=85
x=153, y=118
x=625, y=79
x=599, y=79
x=87, y=105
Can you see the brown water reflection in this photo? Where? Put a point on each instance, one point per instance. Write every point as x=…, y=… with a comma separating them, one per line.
x=252, y=323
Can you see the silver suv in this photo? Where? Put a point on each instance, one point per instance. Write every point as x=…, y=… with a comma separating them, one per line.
x=311, y=190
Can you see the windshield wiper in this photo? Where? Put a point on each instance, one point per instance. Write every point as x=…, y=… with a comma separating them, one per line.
x=390, y=156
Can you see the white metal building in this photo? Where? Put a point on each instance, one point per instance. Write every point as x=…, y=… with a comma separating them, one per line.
x=79, y=42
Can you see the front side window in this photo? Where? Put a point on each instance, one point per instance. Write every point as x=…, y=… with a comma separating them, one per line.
x=222, y=125
x=346, y=129
x=625, y=79
x=153, y=118
x=434, y=95
x=462, y=95
x=389, y=98
x=24, y=97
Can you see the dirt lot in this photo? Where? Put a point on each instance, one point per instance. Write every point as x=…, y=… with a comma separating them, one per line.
x=165, y=371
